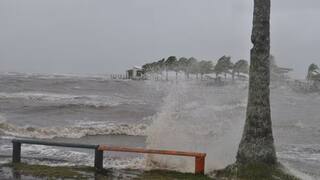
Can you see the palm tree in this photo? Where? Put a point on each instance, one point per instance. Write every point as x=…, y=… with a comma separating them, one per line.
x=193, y=67
x=183, y=65
x=312, y=70
x=223, y=65
x=240, y=66
x=169, y=64
x=205, y=67
x=257, y=143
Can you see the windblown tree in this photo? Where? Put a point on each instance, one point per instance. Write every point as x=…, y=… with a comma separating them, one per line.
x=183, y=65
x=205, y=67
x=155, y=68
x=170, y=64
x=147, y=68
x=312, y=71
x=193, y=66
x=257, y=143
x=224, y=65
x=176, y=68
x=241, y=66
x=160, y=67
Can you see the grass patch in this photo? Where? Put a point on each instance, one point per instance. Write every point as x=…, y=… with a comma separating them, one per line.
x=254, y=171
x=170, y=175
x=51, y=172
x=233, y=172
x=66, y=172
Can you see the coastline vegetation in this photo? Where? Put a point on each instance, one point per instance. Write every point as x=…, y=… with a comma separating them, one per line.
x=191, y=66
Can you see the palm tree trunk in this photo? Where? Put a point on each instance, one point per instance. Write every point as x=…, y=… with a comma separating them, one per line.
x=167, y=76
x=257, y=144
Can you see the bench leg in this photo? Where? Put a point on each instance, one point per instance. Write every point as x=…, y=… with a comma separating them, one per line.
x=16, y=152
x=199, y=165
x=98, y=159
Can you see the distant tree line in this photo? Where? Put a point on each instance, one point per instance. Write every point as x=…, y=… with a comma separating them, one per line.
x=191, y=66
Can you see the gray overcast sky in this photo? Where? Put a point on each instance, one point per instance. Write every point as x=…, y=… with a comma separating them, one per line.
x=104, y=36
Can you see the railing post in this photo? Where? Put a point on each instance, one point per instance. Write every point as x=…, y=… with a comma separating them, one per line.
x=98, y=159
x=16, y=152
x=199, y=164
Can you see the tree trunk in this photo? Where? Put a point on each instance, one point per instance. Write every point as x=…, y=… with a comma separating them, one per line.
x=167, y=76
x=257, y=144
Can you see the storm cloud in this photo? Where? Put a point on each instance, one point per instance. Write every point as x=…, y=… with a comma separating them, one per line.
x=82, y=36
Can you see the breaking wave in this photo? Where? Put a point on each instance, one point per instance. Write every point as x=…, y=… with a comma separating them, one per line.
x=78, y=131
x=56, y=76
x=71, y=100
x=201, y=119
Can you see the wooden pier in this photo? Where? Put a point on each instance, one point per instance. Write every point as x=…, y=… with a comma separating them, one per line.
x=99, y=149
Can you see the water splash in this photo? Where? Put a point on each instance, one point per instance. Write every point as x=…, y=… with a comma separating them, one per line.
x=195, y=117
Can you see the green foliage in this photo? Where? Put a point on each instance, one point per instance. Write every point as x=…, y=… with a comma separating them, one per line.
x=224, y=65
x=171, y=63
x=206, y=67
x=183, y=64
x=241, y=66
x=170, y=175
x=244, y=172
x=51, y=172
x=193, y=66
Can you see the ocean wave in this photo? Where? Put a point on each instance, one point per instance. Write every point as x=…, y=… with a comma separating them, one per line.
x=57, y=76
x=78, y=131
x=72, y=100
x=304, y=153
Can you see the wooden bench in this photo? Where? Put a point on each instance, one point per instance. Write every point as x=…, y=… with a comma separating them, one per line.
x=99, y=149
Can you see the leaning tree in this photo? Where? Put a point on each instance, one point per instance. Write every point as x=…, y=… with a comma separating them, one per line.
x=312, y=70
x=241, y=66
x=257, y=143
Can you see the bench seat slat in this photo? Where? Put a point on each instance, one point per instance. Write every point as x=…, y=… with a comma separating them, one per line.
x=61, y=144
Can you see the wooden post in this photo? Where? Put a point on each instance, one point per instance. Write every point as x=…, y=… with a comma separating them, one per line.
x=16, y=152
x=199, y=165
x=98, y=159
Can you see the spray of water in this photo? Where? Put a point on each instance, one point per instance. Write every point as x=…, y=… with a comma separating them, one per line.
x=197, y=117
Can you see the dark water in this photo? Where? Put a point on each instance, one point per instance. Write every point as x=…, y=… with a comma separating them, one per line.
x=169, y=115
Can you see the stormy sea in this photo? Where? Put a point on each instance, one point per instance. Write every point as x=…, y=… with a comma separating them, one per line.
x=188, y=115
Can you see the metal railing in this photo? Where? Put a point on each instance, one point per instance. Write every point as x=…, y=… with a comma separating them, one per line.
x=99, y=149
